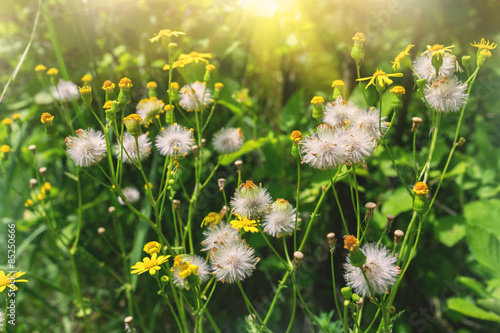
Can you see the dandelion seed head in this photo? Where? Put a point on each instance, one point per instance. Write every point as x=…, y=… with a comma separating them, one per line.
x=322, y=150
x=281, y=219
x=251, y=201
x=233, y=262
x=358, y=145
x=65, y=91
x=424, y=68
x=175, y=140
x=340, y=112
x=219, y=235
x=193, y=95
x=228, y=140
x=149, y=108
x=130, y=147
x=368, y=122
x=446, y=94
x=88, y=147
x=131, y=194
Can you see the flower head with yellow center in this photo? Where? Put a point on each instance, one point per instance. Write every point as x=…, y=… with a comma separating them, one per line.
x=166, y=33
x=338, y=83
x=125, y=83
x=420, y=188
x=398, y=90
x=108, y=85
x=211, y=219
x=52, y=71
x=7, y=121
x=484, y=45
x=151, y=265
x=437, y=50
x=296, y=136
x=40, y=68
x=87, y=78
x=185, y=59
x=351, y=243
x=28, y=203
x=151, y=85
x=379, y=79
x=317, y=100
x=5, y=149
x=107, y=105
x=397, y=61
x=359, y=37
x=47, y=118
x=152, y=247
x=16, y=116
x=244, y=223
x=10, y=279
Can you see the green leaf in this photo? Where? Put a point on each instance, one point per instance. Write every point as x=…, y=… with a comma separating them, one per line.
x=450, y=229
x=247, y=147
x=396, y=202
x=292, y=112
x=491, y=304
x=475, y=286
x=462, y=306
x=233, y=108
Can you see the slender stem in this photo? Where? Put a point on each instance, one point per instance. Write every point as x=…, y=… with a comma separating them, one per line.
x=356, y=209
x=297, y=290
x=427, y=166
x=249, y=305
x=346, y=313
x=335, y=286
x=332, y=180
x=297, y=207
x=360, y=84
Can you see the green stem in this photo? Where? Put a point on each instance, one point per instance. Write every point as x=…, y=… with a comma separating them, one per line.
x=335, y=286
x=427, y=166
x=360, y=85
x=332, y=180
x=297, y=207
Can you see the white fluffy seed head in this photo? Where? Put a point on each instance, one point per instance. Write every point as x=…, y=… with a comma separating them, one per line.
x=228, y=140
x=358, y=145
x=251, y=201
x=368, y=121
x=130, y=148
x=339, y=113
x=131, y=194
x=233, y=262
x=446, y=94
x=203, y=270
x=193, y=95
x=219, y=235
x=323, y=149
x=149, y=108
x=380, y=269
x=175, y=140
x=65, y=91
x=281, y=220
x=88, y=147
x=424, y=68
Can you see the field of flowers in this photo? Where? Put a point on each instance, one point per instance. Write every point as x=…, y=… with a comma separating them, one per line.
x=249, y=166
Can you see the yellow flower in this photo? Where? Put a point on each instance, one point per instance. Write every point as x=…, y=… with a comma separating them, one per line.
x=484, y=45
x=338, y=83
x=40, y=196
x=210, y=68
x=9, y=280
x=359, y=37
x=152, y=247
x=149, y=264
x=87, y=78
x=108, y=85
x=381, y=78
x=420, y=188
x=219, y=86
x=148, y=185
x=397, y=61
x=187, y=269
x=46, y=188
x=47, y=118
x=317, y=100
x=125, y=83
x=296, y=136
x=174, y=86
x=85, y=90
x=245, y=223
x=7, y=121
x=185, y=59
x=485, y=53
x=52, y=71
x=39, y=68
x=151, y=84
x=211, y=218
x=398, y=90
x=29, y=203
x=166, y=33
x=350, y=243
x=107, y=105
x=5, y=149
x=437, y=50
x=16, y=116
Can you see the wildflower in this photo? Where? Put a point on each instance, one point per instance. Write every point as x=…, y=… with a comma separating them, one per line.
x=321, y=150
x=358, y=144
x=244, y=223
x=87, y=78
x=5, y=149
x=52, y=71
x=250, y=200
x=175, y=140
x=131, y=194
x=10, y=279
x=107, y=105
x=296, y=136
x=318, y=111
x=7, y=121
x=152, y=247
x=379, y=79
x=397, y=99
x=218, y=235
x=46, y=187
x=400, y=57
x=358, y=52
x=149, y=264
x=188, y=266
x=425, y=69
x=317, y=100
x=29, y=203
x=65, y=91
x=484, y=45
x=233, y=262
x=125, y=83
x=437, y=50
x=195, y=95
x=129, y=152
x=16, y=116
x=368, y=122
x=281, y=220
x=380, y=270
x=86, y=94
x=228, y=140
x=166, y=33
x=338, y=86
x=149, y=109
x=446, y=94
x=339, y=113
x=87, y=148
x=194, y=57
x=40, y=68
x=108, y=86
x=211, y=219
x=133, y=124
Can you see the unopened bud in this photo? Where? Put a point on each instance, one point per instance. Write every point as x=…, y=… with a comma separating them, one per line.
x=223, y=210
x=391, y=309
x=358, y=52
x=101, y=230
x=32, y=149
x=222, y=182
x=370, y=206
x=298, y=257
x=129, y=325
x=331, y=239
x=238, y=164
x=421, y=83
x=461, y=141
x=177, y=204
x=111, y=209
x=43, y=171
x=390, y=219
x=164, y=279
x=251, y=317
x=416, y=123
x=33, y=183
x=346, y=292
x=195, y=149
x=203, y=142
x=356, y=298
x=398, y=235
x=172, y=48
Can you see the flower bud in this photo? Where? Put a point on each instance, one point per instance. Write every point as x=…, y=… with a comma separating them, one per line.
x=203, y=142
x=398, y=235
x=223, y=210
x=86, y=94
x=195, y=149
x=358, y=52
x=101, y=230
x=33, y=183
x=461, y=141
x=111, y=209
x=437, y=62
x=109, y=88
x=169, y=114
x=370, y=207
x=151, y=86
x=390, y=219
x=172, y=49
x=421, y=83
x=298, y=257
x=48, y=120
x=332, y=240
x=164, y=279
x=318, y=111
x=467, y=62
x=338, y=89
x=238, y=164
x=43, y=171
x=173, y=92
x=483, y=55
x=356, y=256
x=129, y=325
x=177, y=204
x=32, y=149
x=356, y=298
x=124, y=96
x=346, y=292
x=222, y=183
x=133, y=124
x=391, y=309
x=397, y=97
x=209, y=69
x=420, y=201
x=416, y=123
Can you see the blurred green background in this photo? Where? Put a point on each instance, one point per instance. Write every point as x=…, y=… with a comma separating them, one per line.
x=284, y=52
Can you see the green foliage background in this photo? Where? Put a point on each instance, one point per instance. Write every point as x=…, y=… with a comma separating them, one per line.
x=454, y=282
